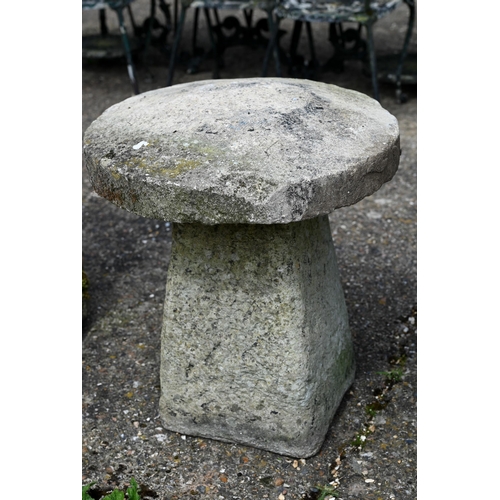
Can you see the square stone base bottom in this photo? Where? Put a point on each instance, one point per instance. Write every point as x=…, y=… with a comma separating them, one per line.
x=256, y=347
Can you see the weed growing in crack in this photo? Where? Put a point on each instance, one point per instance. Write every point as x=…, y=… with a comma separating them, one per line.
x=394, y=375
x=321, y=493
x=132, y=493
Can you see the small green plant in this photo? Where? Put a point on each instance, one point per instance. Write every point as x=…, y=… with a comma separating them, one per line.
x=327, y=491
x=370, y=411
x=394, y=375
x=116, y=494
x=359, y=440
x=85, y=495
x=132, y=490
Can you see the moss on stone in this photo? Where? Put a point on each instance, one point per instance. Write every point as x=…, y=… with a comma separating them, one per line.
x=183, y=165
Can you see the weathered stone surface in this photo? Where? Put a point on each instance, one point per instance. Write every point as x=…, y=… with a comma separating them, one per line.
x=256, y=347
x=261, y=150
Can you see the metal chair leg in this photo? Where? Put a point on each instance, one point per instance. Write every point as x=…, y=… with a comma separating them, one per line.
x=248, y=14
x=313, y=68
x=176, y=14
x=399, y=95
x=132, y=20
x=102, y=22
x=175, y=48
x=272, y=46
x=310, y=39
x=294, y=42
x=149, y=29
x=296, y=62
x=373, y=59
x=128, y=52
x=195, y=31
x=213, y=43
x=276, y=46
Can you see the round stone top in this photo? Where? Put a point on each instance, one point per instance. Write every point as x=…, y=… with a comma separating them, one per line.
x=258, y=151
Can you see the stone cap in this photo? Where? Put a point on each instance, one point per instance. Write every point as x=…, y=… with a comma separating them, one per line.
x=257, y=150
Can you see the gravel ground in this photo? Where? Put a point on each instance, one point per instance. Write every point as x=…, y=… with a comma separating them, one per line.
x=370, y=450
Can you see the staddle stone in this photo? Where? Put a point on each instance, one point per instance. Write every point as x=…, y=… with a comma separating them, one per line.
x=256, y=347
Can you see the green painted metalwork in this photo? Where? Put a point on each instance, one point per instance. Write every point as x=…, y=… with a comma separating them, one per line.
x=150, y=31
x=335, y=11
x=117, y=6
x=348, y=43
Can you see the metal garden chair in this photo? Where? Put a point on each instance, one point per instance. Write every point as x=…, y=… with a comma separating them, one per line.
x=247, y=34
x=118, y=6
x=347, y=43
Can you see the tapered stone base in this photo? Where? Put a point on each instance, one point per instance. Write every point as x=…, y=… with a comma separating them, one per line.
x=256, y=347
